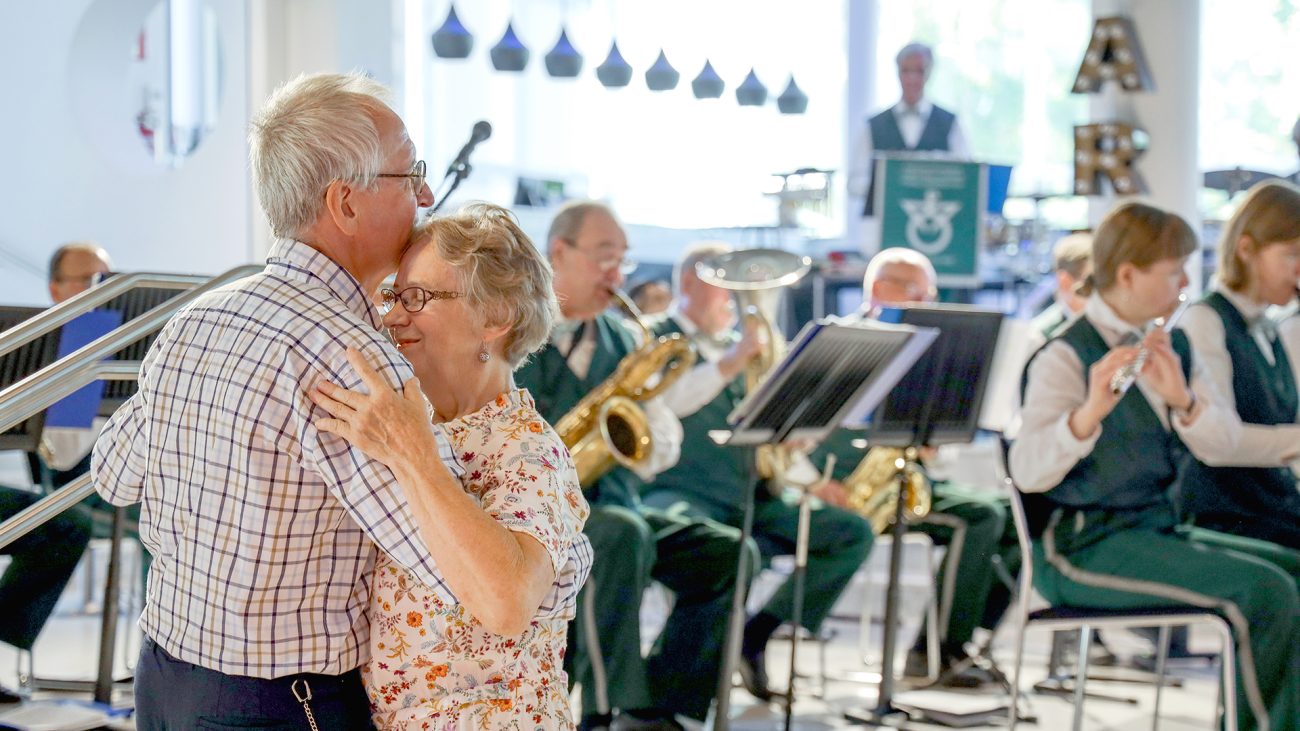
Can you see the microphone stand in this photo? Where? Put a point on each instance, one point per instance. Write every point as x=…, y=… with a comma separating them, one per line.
x=456, y=173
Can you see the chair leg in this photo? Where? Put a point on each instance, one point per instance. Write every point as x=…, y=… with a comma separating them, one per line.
x=1081, y=675
x=1228, y=684
x=1162, y=656
x=932, y=620
x=1013, y=712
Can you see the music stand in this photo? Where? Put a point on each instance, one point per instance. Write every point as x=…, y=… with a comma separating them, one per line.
x=831, y=370
x=937, y=402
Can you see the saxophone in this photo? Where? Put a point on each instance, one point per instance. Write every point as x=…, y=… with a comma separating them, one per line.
x=873, y=488
x=607, y=427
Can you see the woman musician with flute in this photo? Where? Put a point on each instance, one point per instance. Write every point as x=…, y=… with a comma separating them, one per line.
x=1105, y=465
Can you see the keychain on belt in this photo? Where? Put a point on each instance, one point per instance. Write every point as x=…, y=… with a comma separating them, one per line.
x=302, y=698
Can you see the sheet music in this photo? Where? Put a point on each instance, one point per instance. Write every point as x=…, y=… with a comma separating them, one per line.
x=890, y=375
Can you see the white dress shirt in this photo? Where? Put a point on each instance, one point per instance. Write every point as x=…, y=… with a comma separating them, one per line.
x=1046, y=449
x=696, y=389
x=665, y=428
x=911, y=123
x=1261, y=445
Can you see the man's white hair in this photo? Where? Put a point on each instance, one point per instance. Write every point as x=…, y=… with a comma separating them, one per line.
x=916, y=49
x=314, y=130
x=895, y=255
x=694, y=254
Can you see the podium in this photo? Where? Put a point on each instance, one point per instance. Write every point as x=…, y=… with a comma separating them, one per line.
x=937, y=206
x=831, y=372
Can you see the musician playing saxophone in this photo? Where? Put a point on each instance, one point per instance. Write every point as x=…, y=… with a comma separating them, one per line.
x=974, y=524
x=632, y=543
x=710, y=481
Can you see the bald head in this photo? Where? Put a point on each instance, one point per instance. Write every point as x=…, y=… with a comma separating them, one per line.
x=73, y=268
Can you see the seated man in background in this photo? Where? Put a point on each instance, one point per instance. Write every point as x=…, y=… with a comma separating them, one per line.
x=651, y=296
x=1071, y=264
x=710, y=481
x=972, y=522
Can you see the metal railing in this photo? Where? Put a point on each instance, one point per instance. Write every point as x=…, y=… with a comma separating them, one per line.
x=47, y=386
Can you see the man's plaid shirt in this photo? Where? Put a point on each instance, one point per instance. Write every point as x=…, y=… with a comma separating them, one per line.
x=262, y=529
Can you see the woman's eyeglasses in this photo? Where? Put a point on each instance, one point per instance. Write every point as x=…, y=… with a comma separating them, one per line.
x=413, y=299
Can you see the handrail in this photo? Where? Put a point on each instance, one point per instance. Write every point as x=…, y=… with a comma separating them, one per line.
x=38, y=513
x=61, y=378
x=60, y=314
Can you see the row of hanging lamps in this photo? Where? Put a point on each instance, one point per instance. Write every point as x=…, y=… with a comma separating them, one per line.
x=452, y=40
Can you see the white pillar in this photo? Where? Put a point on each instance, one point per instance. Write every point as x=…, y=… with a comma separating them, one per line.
x=861, y=39
x=1169, y=32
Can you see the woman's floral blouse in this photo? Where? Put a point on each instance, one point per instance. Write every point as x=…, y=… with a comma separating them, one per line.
x=432, y=664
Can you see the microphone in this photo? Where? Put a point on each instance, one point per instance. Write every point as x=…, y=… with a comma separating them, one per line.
x=482, y=130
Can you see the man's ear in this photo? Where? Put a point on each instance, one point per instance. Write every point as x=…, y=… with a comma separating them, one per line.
x=340, y=202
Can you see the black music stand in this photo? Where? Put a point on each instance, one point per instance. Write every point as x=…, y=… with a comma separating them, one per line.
x=937, y=402
x=831, y=371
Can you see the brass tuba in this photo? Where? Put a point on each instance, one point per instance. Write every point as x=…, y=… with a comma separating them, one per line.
x=607, y=427
x=873, y=488
x=757, y=276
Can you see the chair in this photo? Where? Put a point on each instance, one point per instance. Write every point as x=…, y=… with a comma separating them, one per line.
x=1086, y=619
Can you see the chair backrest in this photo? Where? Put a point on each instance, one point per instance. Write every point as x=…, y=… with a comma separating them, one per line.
x=17, y=365
x=1021, y=521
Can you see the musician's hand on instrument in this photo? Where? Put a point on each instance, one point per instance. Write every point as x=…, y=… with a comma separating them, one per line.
x=749, y=347
x=1163, y=371
x=391, y=427
x=832, y=492
x=1101, y=400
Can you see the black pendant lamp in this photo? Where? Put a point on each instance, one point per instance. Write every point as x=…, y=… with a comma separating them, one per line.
x=708, y=85
x=661, y=76
x=751, y=92
x=564, y=61
x=792, y=100
x=509, y=54
x=452, y=40
x=615, y=72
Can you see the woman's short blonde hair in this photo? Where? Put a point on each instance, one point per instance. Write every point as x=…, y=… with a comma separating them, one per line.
x=1137, y=234
x=506, y=280
x=314, y=130
x=1269, y=214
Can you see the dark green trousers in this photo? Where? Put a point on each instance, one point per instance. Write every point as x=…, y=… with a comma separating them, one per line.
x=695, y=559
x=838, y=543
x=975, y=525
x=1140, y=559
x=42, y=562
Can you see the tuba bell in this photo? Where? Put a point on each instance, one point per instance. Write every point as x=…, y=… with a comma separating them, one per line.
x=607, y=427
x=757, y=277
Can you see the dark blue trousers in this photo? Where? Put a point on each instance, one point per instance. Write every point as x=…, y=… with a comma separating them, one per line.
x=174, y=695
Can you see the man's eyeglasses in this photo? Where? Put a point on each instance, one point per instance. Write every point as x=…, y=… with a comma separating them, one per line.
x=413, y=299
x=416, y=175
x=608, y=262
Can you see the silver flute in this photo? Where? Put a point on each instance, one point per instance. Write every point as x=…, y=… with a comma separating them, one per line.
x=1125, y=377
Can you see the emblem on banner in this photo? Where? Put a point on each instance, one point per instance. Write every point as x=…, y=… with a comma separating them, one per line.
x=929, y=222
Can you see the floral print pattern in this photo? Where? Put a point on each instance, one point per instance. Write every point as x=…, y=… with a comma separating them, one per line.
x=432, y=664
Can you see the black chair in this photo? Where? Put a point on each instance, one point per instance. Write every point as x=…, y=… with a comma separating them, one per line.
x=1086, y=619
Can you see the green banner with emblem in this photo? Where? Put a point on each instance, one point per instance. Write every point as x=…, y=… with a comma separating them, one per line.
x=935, y=207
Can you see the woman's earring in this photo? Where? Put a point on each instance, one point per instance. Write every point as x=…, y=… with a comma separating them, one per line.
x=483, y=354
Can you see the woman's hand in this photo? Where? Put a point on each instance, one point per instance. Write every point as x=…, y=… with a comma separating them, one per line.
x=390, y=427
x=1163, y=371
x=1100, y=400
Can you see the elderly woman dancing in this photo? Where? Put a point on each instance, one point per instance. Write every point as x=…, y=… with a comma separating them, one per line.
x=472, y=299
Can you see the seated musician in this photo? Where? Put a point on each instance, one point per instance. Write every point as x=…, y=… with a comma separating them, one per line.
x=1105, y=464
x=973, y=523
x=633, y=543
x=709, y=481
x=1233, y=336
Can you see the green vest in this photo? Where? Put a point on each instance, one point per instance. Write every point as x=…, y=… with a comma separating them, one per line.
x=556, y=389
x=707, y=472
x=1265, y=394
x=1136, y=461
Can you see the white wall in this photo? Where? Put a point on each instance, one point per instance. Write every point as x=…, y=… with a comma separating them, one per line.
x=75, y=168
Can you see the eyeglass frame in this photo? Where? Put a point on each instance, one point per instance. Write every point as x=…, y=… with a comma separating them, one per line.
x=429, y=295
x=417, y=175
x=624, y=265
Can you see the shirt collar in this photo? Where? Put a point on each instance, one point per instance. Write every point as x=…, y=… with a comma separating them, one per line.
x=1250, y=311
x=922, y=108
x=685, y=323
x=299, y=262
x=1112, y=328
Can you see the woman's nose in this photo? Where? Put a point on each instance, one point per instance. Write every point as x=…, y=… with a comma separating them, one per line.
x=397, y=316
